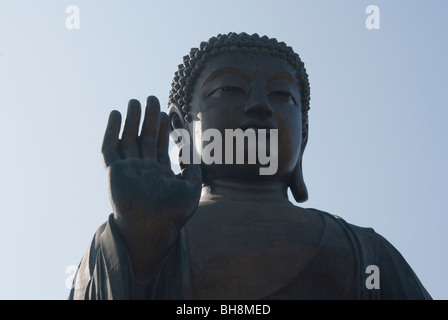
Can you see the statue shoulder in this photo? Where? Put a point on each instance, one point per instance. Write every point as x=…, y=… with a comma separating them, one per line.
x=335, y=219
x=397, y=279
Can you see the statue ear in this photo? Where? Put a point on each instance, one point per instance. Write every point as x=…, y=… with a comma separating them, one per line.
x=176, y=119
x=297, y=183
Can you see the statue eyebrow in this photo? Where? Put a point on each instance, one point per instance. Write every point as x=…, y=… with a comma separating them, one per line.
x=227, y=71
x=282, y=76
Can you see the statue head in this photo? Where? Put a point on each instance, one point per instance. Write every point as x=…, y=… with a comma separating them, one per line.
x=245, y=81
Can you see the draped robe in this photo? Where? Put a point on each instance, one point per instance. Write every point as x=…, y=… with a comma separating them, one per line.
x=333, y=266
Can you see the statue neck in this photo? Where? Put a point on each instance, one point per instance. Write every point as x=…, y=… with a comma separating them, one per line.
x=244, y=190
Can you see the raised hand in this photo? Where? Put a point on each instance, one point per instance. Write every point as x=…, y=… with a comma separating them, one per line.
x=150, y=203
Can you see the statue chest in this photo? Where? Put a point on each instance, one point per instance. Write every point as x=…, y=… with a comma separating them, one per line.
x=247, y=251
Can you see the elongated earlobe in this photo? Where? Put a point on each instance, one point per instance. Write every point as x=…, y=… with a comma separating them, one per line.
x=297, y=183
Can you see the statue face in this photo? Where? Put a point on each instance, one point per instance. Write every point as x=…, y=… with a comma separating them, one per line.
x=249, y=91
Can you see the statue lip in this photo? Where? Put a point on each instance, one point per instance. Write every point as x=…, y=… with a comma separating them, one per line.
x=256, y=124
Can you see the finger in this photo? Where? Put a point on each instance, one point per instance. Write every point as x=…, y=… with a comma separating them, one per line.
x=128, y=144
x=131, y=124
x=110, y=141
x=150, y=128
x=164, y=139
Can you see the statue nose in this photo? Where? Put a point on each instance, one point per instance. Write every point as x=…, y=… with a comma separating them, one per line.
x=259, y=107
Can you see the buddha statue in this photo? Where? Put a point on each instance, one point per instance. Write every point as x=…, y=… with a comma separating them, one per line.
x=221, y=230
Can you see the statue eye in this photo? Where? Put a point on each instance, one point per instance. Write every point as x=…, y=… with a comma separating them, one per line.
x=284, y=96
x=227, y=91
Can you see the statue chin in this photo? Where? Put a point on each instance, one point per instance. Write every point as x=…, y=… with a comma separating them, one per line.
x=244, y=172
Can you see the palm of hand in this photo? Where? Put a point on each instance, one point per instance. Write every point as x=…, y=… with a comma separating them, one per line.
x=142, y=187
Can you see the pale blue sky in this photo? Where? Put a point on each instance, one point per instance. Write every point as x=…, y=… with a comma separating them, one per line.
x=376, y=155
